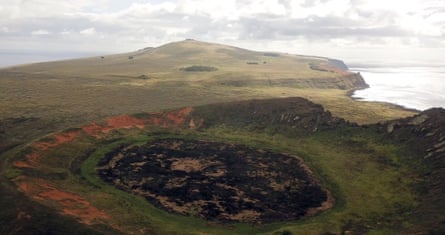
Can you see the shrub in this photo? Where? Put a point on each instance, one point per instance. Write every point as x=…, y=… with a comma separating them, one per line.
x=284, y=232
x=143, y=77
x=199, y=68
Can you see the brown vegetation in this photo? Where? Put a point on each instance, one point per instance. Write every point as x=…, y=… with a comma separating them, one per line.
x=217, y=181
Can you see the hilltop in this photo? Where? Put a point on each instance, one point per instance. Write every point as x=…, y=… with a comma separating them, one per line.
x=228, y=66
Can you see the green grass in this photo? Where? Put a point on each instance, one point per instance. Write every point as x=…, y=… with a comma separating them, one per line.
x=369, y=192
x=12, y=173
x=369, y=177
x=366, y=176
x=199, y=68
x=58, y=95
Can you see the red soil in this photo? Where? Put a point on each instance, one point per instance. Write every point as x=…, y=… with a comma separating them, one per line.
x=72, y=204
x=30, y=162
x=27, y=187
x=155, y=121
x=179, y=116
x=113, y=123
x=172, y=119
x=22, y=164
x=124, y=121
x=69, y=203
x=93, y=129
x=164, y=119
x=32, y=158
x=60, y=138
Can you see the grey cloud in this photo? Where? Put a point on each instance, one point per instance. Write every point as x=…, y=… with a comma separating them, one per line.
x=432, y=42
x=431, y=11
x=58, y=24
x=313, y=28
x=126, y=29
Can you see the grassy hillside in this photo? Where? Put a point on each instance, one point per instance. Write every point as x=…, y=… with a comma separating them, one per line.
x=373, y=174
x=56, y=95
x=41, y=103
x=230, y=67
x=167, y=60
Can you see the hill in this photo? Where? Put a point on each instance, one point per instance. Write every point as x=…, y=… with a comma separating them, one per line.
x=230, y=66
x=56, y=95
x=61, y=120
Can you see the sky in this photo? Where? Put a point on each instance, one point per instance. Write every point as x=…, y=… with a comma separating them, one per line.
x=362, y=30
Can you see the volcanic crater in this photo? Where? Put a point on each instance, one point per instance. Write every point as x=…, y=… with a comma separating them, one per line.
x=216, y=181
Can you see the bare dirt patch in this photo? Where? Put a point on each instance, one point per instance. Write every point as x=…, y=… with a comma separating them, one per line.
x=59, y=138
x=66, y=202
x=124, y=121
x=181, y=117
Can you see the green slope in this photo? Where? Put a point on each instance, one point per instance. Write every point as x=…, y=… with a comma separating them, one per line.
x=41, y=99
x=374, y=172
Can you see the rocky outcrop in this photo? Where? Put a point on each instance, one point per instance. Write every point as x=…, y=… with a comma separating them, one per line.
x=424, y=134
x=293, y=116
x=344, y=82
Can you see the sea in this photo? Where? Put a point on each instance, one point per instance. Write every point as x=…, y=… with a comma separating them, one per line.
x=11, y=57
x=413, y=86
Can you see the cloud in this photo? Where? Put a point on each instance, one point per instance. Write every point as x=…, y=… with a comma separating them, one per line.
x=40, y=32
x=113, y=25
x=88, y=31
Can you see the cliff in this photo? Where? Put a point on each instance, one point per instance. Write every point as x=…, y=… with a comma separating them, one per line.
x=425, y=136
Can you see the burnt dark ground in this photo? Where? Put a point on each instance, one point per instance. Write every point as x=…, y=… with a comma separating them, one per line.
x=215, y=181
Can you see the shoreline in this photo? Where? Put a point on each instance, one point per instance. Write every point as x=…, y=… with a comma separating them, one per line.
x=410, y=88
x=351, y=92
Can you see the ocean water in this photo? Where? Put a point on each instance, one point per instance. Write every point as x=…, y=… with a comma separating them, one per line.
x=11, y=58
x=414, y=87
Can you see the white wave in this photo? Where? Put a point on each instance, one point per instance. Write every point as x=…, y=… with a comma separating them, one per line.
x=412, y=87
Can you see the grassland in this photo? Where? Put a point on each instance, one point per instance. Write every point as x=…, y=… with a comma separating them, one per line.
x=47, y=97
x=369, y=178
x=40, y=99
